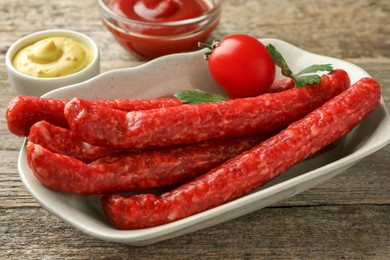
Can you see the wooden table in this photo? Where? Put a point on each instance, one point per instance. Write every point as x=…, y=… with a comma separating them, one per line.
x=346, y=217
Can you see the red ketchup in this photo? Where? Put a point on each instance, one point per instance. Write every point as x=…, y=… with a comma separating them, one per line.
x=152, y=28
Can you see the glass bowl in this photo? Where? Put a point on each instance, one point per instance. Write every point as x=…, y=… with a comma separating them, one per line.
x=150, y=39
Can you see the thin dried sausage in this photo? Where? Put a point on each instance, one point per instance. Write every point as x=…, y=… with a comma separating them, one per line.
x=134, y=170
x=250, y=170
x=193, y=123
x=23, y=111
x=64, y=141
x=281, y=85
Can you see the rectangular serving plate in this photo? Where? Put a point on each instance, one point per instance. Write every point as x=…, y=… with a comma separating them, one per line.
x=170, y=74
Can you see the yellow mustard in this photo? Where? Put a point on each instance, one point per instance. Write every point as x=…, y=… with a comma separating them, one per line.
x=53, y=57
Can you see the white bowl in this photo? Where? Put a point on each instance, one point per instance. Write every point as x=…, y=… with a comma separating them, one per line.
x=33, y=86
x=168, y=75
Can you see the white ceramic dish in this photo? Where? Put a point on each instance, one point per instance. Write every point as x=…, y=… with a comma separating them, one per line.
x=168, y=75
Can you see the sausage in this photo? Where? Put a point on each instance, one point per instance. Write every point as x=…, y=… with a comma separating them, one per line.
x=134, y=170
x=248, y=171
x=281, y=85
x=64, y=141
x=194, y=123
x=23, y=111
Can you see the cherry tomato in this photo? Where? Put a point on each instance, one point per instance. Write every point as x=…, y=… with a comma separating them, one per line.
x=241, y=65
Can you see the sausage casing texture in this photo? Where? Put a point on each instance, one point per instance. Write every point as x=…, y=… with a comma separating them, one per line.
x=193, y=123
x=23, y=111
x=281, y=85
x=64, y=141
x=250, y=170
x=134, y=170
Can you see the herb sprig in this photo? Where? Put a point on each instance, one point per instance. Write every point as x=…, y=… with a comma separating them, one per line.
x=304, y=77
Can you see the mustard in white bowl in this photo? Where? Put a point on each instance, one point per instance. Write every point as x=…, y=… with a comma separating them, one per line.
x=46, y=60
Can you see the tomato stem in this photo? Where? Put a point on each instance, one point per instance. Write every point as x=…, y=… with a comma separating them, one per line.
x=205, y=45
x=211, y=47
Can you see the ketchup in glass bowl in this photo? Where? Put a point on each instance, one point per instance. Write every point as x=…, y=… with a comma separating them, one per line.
x=152, y=28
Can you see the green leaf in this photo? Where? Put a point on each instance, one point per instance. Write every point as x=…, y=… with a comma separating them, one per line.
x=306, y=80
x=316, y=68
x=198, y=97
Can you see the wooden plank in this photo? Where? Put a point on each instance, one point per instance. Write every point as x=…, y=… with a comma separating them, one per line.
x=324, y=232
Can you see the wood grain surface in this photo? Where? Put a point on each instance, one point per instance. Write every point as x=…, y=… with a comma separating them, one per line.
x=345, y=217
